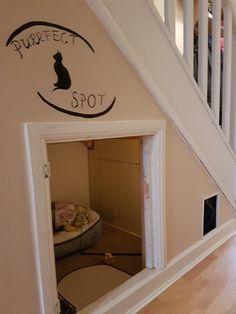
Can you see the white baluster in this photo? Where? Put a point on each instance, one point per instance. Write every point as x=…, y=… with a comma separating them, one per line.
x=227, y=71
x=159, y=4
x=170, y=16
x=188, y=33
x=216, y=63
x=203, y=45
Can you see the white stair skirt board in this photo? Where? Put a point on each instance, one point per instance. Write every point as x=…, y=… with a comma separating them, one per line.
x=85, y=285
x=133, y=38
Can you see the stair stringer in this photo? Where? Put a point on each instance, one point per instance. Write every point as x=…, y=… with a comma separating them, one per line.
x=142, y=37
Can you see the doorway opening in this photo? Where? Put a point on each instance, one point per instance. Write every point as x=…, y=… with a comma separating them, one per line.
x=97, y=207
x=110, y=195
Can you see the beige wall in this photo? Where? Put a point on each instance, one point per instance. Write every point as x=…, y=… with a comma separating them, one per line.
x=69, y=172
x=106, y=71
x=187, y=184
x=114, y=169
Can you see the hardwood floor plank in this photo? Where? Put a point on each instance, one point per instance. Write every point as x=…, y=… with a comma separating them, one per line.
x=209, y=288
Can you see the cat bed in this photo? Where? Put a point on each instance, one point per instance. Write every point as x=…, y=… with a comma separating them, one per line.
x=79, y=229
x=84, y=286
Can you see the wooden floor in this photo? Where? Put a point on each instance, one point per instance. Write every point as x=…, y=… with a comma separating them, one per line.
x=209, y=288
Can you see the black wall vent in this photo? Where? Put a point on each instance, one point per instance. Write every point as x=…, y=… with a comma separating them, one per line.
x=210, y=214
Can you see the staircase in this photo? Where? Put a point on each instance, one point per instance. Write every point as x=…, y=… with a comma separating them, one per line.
x=177, y=73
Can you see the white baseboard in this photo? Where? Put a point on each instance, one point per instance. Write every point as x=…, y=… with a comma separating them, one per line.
x=141, y=289
x=188, y=259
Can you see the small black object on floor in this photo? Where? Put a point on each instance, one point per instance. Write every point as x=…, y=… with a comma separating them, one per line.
x=66, y=306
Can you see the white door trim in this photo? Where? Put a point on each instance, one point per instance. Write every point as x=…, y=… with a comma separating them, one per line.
x=37, y=135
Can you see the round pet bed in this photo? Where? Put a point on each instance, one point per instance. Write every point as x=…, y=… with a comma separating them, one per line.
x=67, y=242
x=86, y=285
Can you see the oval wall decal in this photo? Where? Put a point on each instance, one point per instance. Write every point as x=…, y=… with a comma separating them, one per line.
x=43, y=32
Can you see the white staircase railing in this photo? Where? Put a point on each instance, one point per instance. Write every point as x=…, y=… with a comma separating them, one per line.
x=210, y=22
x=147, y=39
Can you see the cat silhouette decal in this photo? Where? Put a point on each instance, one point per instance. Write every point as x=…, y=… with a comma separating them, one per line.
x=63, y=76
x=64, y=83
